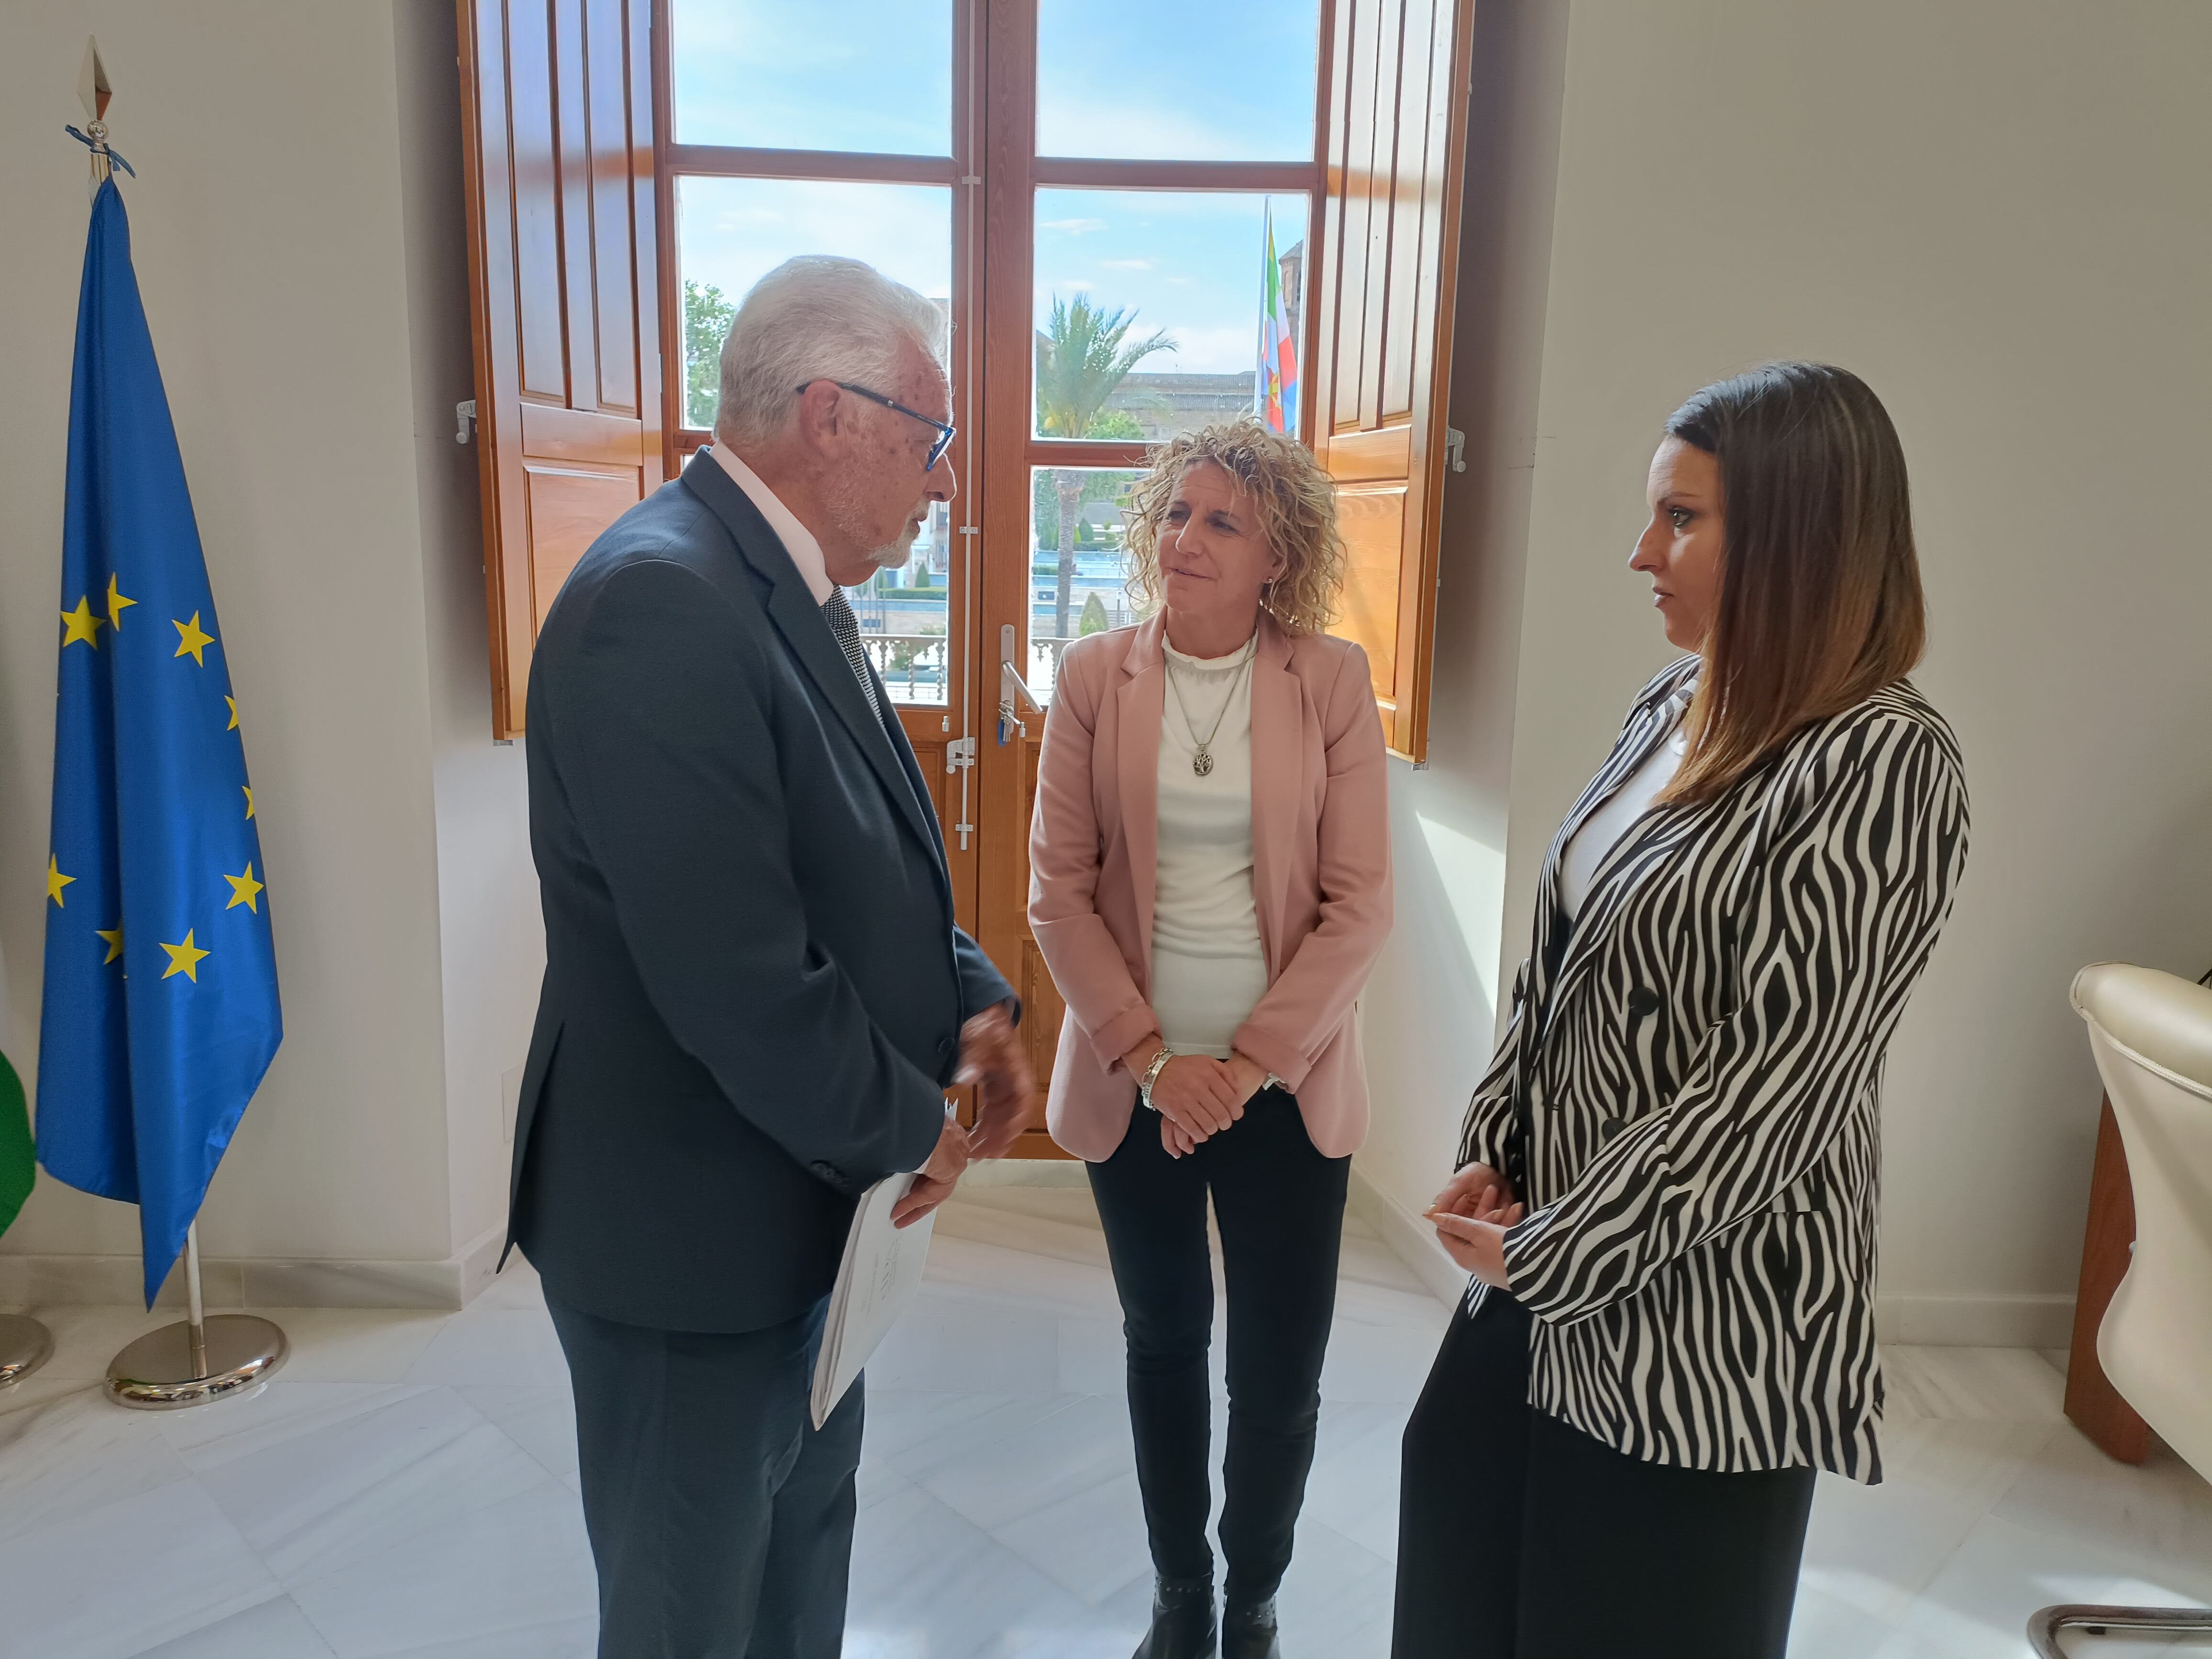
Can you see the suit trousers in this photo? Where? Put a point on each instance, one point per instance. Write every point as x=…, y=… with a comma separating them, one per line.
x=1520, y=1537
x=721, y=1519
x=1280, y=1208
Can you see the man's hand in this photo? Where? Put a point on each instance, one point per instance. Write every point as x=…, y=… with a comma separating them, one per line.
x=934, y=1184
x=993, y=1058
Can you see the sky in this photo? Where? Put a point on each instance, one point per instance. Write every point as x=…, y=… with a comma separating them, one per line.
x=1151, y=79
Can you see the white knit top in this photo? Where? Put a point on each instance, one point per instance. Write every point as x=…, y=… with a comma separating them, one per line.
x=1208, y=967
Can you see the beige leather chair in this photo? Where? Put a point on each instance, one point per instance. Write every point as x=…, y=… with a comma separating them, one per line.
x=2151, y=1036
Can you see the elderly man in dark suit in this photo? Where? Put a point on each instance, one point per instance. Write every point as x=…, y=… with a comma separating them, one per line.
x=756, y=994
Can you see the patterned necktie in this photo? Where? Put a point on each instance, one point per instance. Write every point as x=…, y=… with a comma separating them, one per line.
x=844, y=629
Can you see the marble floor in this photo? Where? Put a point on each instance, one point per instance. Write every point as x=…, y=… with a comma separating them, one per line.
x=408, y=1486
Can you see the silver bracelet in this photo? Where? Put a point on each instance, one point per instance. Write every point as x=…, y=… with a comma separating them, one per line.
x=1152, y=1076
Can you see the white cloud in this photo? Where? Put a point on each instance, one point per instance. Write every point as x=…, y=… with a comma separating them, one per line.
x=1127, y=264
x=1073, y=226
x=1216, y=351
x=732, y=232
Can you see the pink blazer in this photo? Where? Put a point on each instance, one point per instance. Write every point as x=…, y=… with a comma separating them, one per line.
x=1321, y=873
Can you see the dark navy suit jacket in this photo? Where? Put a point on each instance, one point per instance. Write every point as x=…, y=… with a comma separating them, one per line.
x=754, y=986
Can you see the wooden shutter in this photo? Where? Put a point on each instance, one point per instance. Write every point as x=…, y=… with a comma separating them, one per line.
x=563, y=262
x=1397, y=138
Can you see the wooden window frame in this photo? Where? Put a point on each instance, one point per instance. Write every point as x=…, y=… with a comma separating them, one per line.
x=1010, y=273
x=1015, y=173
x=673, y=160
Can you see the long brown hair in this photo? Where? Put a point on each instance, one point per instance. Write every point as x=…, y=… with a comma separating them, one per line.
x=1820, y=604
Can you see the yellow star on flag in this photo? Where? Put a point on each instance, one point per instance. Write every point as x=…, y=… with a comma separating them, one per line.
x=195, y=642
x=55, y=880
x=249, y=798
x=242, y=890
x=233, y=727
x=116, y=605
x=80, y=624
x=185, y=958
x=114, y=943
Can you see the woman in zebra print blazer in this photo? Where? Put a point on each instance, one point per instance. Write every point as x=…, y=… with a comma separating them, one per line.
x=1669, y=1183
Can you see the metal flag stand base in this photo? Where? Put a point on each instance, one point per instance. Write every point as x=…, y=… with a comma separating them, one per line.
x=204, y=1358
x=25, y=1345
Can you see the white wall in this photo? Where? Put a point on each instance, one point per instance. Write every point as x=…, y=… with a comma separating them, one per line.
x=492, y=937
x=1999, y=214
x=1431, y=1005
x=305, y=317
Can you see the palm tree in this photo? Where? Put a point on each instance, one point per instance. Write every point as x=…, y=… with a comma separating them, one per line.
x=1084, y=356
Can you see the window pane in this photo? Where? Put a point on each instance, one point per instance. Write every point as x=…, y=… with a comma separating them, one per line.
x=732, y=232
x=845, y=75
x=902, y=614
x=1076, y=536
x=1164, y=80
x=1181, y=277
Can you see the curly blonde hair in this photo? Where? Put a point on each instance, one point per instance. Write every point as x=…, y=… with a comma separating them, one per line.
x=1297, y=505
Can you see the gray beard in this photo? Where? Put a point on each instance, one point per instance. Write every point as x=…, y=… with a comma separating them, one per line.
x=847, y=514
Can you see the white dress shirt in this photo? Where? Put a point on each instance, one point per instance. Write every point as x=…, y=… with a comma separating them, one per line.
x=797, y=540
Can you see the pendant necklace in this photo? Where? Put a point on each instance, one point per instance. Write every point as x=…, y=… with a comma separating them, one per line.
x=1201, y=760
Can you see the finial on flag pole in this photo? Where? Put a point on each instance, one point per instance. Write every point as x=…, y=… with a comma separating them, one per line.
x=94, y=92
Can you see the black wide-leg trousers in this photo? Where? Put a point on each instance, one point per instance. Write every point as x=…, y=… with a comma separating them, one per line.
x=721, y=1518
x=1521, y=1538
x=1279, y=1205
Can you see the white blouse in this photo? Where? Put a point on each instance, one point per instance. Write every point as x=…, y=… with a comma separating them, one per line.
x=1208, y=968
x=1603, y=827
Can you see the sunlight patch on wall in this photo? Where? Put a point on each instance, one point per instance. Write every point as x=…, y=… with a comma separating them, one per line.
x=1473, y=877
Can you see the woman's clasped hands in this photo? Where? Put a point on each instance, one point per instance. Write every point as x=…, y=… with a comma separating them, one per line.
x=1196, y=1096
x=1472, y=1215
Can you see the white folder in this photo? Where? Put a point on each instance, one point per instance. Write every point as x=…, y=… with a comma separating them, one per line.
x=881, y=1271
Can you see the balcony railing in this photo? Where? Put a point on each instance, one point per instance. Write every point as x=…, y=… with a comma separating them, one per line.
x=916, y=666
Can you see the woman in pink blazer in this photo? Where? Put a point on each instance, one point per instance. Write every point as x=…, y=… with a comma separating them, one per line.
x=1210, y=865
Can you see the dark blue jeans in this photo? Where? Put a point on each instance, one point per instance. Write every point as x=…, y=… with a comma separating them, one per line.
x=721, y=1518
x=1279, y=1205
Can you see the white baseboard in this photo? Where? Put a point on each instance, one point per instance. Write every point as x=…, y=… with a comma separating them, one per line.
x=1976, y=1321
x=1939, y=1321
x=226, y=1284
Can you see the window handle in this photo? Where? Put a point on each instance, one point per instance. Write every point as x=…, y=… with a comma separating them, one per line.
x=1010, y=686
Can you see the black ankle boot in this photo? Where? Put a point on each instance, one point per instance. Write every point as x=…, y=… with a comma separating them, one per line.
x=1183, y=1620
x=1247, y=1631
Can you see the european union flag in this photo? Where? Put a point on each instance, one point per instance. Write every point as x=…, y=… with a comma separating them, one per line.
x=160, y=1012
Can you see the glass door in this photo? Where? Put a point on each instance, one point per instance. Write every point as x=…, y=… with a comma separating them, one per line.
x=1151, y=167
x=844, y=127
x=1112, y=199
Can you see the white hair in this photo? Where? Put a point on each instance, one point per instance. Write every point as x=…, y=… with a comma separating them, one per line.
x=817, y=318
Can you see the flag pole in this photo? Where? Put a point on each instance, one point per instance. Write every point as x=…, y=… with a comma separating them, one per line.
x=195, y=1309
x=207, y=1357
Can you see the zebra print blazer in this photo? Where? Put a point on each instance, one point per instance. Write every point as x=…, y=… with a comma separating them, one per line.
x=1688, y=1096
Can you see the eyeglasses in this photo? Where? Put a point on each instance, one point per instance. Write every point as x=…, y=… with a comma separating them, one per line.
x=944, y=434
